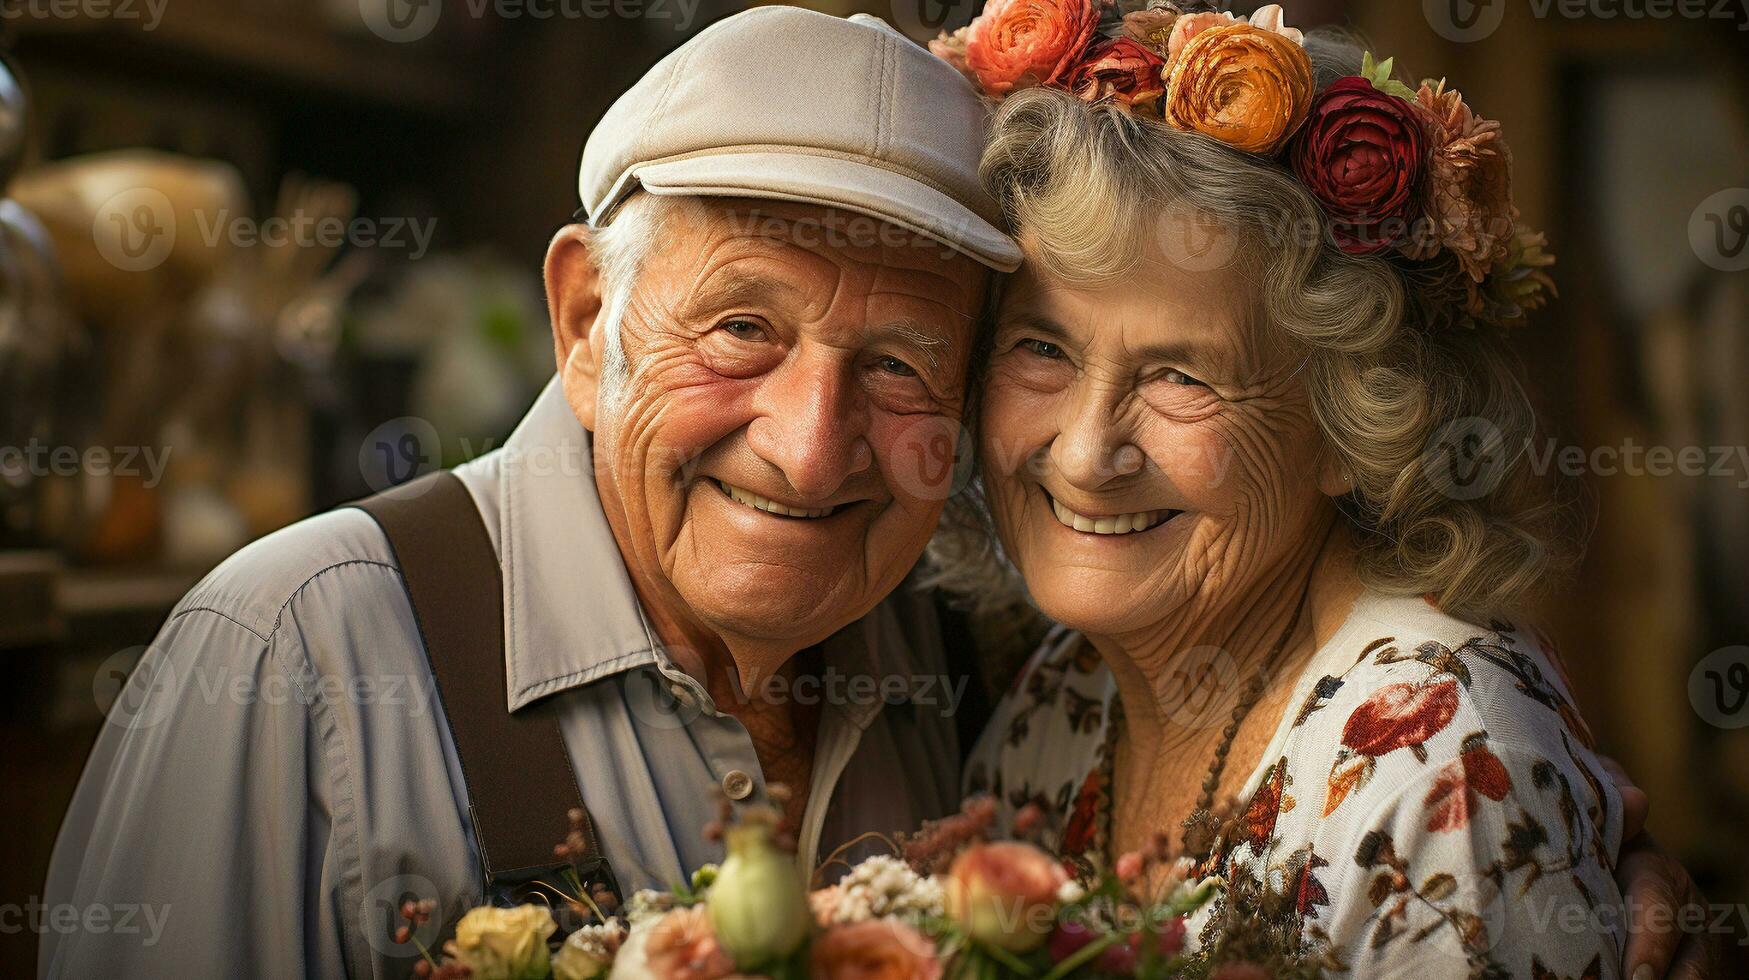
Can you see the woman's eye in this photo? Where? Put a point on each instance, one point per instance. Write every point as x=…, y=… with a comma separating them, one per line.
x=893, y=365
x=1042, y=348
x=1180, y=378
x=749, y=330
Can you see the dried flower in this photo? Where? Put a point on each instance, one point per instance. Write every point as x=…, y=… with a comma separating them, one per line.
x=1244, y=86
x=1151, y=27
x=1469, y=208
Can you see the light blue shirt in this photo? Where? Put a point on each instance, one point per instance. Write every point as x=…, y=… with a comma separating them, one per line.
x=277, y=777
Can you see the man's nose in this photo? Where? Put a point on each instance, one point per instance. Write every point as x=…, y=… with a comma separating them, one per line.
x=1093, y=447
x=811, y=423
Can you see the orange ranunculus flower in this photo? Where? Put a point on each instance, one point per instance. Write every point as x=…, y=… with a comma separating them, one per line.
x=873, y=949
x=1017, y=43
x=1246, y=86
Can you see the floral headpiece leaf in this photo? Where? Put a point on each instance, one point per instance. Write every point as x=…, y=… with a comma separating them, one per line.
x=1379, y=74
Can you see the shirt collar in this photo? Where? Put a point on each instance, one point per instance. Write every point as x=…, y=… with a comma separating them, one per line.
x=570, y=613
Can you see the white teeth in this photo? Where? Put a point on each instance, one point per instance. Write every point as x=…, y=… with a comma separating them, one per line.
x=1120, y=524
x=757, y=502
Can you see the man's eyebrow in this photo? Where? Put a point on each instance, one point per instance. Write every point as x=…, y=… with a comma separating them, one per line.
x=742, y=288
x=907, y=331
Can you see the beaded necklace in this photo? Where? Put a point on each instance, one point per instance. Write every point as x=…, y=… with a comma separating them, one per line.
x=1201, y=827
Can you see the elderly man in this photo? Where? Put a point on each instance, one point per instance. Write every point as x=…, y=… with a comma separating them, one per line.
x=763, y=329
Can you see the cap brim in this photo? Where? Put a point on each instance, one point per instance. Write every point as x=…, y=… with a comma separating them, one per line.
x=836, y=182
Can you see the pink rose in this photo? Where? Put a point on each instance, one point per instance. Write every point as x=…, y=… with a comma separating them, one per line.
x=1005, y=894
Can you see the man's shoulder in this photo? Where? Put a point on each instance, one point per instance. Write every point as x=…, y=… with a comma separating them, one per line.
x=255, y=585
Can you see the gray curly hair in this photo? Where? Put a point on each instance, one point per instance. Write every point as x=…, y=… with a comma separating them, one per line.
x=1389, y=380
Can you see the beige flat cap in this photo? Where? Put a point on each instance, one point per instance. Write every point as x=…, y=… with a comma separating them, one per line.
x=796, y=105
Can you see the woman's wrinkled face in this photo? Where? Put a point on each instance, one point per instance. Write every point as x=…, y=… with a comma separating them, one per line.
x=1142, y=452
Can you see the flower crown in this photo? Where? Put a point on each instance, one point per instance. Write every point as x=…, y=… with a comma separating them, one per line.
x=1412, y=175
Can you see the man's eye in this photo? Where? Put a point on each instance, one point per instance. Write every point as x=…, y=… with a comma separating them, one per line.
x=1042, y=348
x=1180, y=378
x=744, y=329
x=893, y=365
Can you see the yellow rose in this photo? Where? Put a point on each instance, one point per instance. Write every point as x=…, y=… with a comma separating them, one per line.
x=1245, y=86
x=505, y=944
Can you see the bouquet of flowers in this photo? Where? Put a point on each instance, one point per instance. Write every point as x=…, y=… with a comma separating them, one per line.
x=949, y=903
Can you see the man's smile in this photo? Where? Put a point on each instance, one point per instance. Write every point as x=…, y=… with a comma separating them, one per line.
x=742, y=495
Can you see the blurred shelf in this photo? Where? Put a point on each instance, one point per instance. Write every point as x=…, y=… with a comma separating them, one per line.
x=43, y=601
x=214, y=44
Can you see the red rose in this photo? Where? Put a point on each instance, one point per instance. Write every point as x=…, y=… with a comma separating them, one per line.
x=1360, y=154
x=1016, y=43
x=1121, y=70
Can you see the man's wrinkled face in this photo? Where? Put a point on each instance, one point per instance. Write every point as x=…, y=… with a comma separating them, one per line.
x=772, y=456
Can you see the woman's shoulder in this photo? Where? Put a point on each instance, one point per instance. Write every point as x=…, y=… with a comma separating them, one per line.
x=1437, y=766
x=1401, y=672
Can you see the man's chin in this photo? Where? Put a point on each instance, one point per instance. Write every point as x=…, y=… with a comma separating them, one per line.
x=781, y=607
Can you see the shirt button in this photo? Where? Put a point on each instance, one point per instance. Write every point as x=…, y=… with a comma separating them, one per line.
x=738, y=785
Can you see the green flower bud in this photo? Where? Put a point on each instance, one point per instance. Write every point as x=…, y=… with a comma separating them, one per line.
x=757, y=905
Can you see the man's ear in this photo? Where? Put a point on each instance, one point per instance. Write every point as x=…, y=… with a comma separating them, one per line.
x=574, y=305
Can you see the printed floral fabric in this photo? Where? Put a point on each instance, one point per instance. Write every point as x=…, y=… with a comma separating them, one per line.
x=1430, y=800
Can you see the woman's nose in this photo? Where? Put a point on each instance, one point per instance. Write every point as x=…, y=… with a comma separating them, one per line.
x=1093, y=445
x=811, y=424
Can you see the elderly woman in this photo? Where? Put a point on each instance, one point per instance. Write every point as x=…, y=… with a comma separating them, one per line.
x=1246, y=433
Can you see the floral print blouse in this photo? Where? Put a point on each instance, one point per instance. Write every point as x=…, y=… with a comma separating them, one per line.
x=1431, y=799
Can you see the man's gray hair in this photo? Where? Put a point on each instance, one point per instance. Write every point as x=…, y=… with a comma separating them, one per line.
x=618, y=250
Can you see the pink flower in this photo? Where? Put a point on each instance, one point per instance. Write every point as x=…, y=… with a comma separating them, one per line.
x=683, y=947
x=1005, y=894
x=874, y=949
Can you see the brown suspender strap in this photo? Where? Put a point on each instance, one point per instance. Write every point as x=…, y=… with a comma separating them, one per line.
x=515, y=766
